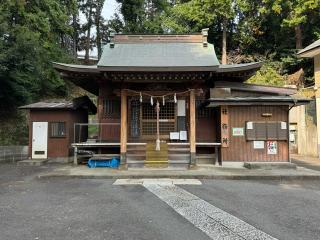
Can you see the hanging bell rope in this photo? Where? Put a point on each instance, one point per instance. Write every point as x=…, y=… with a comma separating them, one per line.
x=158, y=126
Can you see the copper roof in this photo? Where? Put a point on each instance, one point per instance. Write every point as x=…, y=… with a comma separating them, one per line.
x=260, y=100
x=77, y=103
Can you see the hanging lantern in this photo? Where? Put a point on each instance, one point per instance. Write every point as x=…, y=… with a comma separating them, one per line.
x=175, y=98
x=140, y=97
x=163, y=101
x=151, y=101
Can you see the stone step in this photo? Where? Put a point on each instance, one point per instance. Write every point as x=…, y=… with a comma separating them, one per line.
x=156, y=165
x=206, y=158
x=32, y=162
x=179, y=156
x=136, y=152
x=142, y=159
x=157, y=155
x=178, y=161
x=136, y=148
x=179, y=150
x=135, y=161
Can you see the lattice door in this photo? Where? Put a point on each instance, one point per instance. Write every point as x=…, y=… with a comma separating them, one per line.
x=149, y=120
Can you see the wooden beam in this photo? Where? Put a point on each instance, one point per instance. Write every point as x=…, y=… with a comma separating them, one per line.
x=123, y=130
x=192, y=131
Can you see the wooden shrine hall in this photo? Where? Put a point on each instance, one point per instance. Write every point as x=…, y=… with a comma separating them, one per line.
x=165, y=100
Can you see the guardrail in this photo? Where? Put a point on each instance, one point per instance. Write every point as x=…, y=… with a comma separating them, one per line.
x=96, y=132
x=13, y=153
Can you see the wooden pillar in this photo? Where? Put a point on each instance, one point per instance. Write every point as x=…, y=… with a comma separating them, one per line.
x=192, y=130
x=123, y=130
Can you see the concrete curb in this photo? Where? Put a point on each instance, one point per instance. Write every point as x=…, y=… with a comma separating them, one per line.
x=180, y=176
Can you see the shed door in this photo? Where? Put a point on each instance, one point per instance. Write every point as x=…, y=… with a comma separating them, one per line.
x=39, y=139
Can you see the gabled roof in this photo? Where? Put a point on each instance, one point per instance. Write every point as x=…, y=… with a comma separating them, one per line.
x=158, y=55
x=311, y=50
x=146, y=57
x=77, y=103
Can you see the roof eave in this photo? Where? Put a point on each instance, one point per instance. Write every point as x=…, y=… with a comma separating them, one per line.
x=309, y=53
x=276, y=102
x=80, y=68
x=256, y=88
x=234, y=68
x=158, y=69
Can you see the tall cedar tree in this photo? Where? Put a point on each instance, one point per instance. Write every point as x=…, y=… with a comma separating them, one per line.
x=32, y=35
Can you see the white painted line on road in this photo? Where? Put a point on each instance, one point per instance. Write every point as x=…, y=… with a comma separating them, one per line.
x=213, y=221
x=158, y=181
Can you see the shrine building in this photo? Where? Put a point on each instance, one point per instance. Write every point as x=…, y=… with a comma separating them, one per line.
x=165, y=100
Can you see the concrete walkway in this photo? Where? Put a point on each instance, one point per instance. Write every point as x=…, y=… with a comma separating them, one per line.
x=306, y=162
x=68, y=171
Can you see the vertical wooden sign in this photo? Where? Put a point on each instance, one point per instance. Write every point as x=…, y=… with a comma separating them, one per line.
x=224, y=126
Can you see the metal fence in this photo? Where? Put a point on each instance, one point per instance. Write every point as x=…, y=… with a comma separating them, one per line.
x=13, y=153
x=97, y=132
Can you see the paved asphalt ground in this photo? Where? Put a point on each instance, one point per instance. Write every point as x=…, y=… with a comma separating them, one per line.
x=96, y=209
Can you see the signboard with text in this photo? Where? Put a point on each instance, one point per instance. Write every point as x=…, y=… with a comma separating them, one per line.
x=224, y=126
x=237, y=131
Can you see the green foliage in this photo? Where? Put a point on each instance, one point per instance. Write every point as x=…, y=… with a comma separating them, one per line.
x=141, y=16
x=30, y=39
x=269, y=74
x=294, y=12
x=191, y=16
x=14, y=128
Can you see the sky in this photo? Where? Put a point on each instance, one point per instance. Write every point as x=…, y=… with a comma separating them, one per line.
x=110, y=7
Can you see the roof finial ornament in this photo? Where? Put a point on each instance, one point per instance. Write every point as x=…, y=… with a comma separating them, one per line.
x=111, y=36
x=205, y=37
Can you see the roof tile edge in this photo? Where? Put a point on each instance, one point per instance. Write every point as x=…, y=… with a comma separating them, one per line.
x=194, y=38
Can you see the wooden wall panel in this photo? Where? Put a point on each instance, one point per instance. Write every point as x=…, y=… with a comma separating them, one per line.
x=206, y=129
x=242, y=150
x=110, y=131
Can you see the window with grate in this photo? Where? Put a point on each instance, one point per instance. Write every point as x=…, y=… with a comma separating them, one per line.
x=166, y=112
x=135, y=118
x=58, y=129
x=111, y=108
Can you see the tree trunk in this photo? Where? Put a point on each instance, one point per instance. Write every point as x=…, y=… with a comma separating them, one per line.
x=75, y=35
x=298, y=32
x=224, y=41
x=97, y=23
x=86, y=57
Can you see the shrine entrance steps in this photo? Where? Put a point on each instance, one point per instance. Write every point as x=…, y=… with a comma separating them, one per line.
x=156, y=158
x=179, y=154
x=176, y=155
